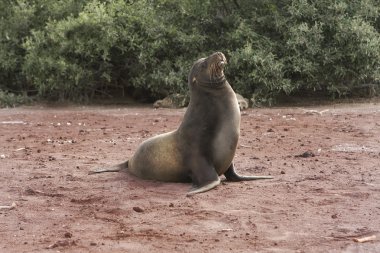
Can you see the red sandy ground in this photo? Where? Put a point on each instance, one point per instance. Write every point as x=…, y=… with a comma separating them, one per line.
x=314, y=204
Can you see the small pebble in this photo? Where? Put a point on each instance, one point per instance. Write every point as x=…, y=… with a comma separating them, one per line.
x=138, y=209
x=68, y=235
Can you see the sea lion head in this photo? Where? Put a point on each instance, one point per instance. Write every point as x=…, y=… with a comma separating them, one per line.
x=208, y=72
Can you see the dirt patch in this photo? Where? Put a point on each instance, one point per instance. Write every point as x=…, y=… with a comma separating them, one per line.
x=325, y=191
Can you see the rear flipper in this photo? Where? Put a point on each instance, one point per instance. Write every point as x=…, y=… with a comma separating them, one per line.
x=115, y=168
x=232, y=176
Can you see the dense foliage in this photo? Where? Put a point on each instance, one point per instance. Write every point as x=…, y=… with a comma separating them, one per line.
x=75, y=49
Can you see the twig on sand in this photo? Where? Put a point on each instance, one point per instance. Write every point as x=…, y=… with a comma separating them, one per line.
x=9, y=207
x=355, y=238
x=365, y=239
x=30, y=191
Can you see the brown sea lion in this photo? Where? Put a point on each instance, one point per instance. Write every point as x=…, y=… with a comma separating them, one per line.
x=203, y=146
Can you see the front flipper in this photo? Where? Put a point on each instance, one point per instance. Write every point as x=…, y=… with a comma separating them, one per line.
x=204, y=177
x=204, y=188
x=231, y=175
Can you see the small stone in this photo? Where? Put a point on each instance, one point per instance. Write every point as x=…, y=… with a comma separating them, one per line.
x=68, y=235
x=306, y=154
x=138, y=209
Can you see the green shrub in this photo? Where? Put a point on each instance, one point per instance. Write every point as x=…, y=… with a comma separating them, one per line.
x=107, y=44
x=70, y=56
x=72, y=49
x=257, y=71
x=332, y=46
x=17, y=21
x=11, y=100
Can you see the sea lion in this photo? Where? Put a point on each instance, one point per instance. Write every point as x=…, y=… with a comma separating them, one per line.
x=172, y=101
x=242, y=101
x=203, y=146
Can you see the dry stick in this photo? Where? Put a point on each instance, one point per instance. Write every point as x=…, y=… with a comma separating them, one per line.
x=356, y=238
x=365, y=239
x=8, y=207
x=36, y=192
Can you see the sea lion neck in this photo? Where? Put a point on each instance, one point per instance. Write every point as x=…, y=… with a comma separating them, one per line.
x=218, y=83
x=208, y=72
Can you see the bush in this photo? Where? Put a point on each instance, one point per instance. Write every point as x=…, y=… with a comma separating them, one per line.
x=75, y=50
x=332, y=46
x=258, y=71
x=70, y=56
x=109, y=44
x=11, y=100
x=17, y=21
x=325, y=46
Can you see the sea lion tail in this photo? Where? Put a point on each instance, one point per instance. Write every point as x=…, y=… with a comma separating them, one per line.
x=115, y=168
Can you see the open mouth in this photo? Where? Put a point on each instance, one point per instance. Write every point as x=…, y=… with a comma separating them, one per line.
x=221, y=62
x=214, y=76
